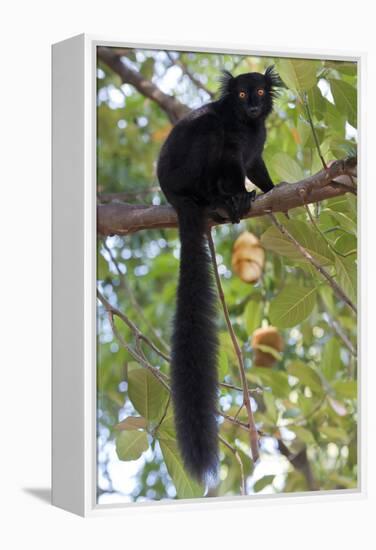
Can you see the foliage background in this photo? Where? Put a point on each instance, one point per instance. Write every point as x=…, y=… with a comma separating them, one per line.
x=305, y=406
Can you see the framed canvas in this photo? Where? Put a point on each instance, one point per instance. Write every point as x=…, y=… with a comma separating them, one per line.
x=251, y=387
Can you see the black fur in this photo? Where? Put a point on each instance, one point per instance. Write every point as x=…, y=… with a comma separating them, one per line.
x=202, y=167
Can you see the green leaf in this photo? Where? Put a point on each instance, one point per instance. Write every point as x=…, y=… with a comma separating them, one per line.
x=147, y=394
x=131, y=423
x=345, y=221
x=102, y=268
x=271, y=409
x=298, y=74
x=167, y=429
x=338, y=435
x=268, y=349
x=338, y=407
x=253, y=315
x=292, y=305
x=330, y=362
x=316, y=101
x=345, y=388
x=306, y=375
x=347, y=275
x=223, y=363
x=185, y=486
x=228, y=347
x=275, y=241
x=303, y=434
x=287, y=168
x=262, y=483
x=147, y=68
x=352, y=205
x=345, y=99
x=275, y=379
x=292, y=412
x=131, y=444
x=346, y=244
x=310, y=239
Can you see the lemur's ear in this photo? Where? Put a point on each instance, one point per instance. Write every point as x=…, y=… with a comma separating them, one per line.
x=272, y=78
x=226, y=83
x=273, y=82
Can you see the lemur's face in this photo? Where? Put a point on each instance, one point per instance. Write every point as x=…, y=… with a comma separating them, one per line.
x=253, y=93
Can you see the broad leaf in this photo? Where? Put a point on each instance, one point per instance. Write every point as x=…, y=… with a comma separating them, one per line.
x=262, y=483
x=131, y=423
x=292, y=306
x=307, y=236
x=131, y=444
x=347, y=389
x=330, y=362
x=268, y=349
x=345, y=99
x=346, y=269
x=303, y=434
x=298, y=74
x=275, y=379
x=253, y=315
x=185, y=486
x=338, y=435
x=287, y=168
x=147, y=394
x=306, y=375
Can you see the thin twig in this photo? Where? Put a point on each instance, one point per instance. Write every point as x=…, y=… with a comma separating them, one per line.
x=178, y=61
x=111, y=311
x=243, y=488
x=308, y=111
x=238, y=388
x=130, y=324
x=315, y=225
x=163, y=415
x=336, y=288
x=338, y=329
x=239, y=423
x=253, y=436
x=127, y=289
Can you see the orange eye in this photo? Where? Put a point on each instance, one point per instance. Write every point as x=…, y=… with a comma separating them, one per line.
x=260, y=92
x=242, y=95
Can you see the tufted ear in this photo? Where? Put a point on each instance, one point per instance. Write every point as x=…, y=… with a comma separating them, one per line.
x=226, y=83
x=272, y=77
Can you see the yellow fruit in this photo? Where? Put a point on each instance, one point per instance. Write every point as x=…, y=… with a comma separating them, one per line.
x=248, y=258
x=270, y=338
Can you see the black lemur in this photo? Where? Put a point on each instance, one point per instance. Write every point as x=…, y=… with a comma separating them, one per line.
x=201, y=168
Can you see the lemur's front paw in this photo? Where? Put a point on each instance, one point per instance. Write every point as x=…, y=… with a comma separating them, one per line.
x=235, y=207
x=244, y=201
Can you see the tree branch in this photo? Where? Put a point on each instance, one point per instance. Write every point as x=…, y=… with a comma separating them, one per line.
x=178, y=61
x=122, y=219
x=172, y=106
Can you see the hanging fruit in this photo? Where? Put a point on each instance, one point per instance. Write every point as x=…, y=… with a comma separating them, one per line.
x=248, y=258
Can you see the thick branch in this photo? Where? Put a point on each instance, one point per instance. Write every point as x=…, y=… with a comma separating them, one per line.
x=172, y=106
x=121, y=219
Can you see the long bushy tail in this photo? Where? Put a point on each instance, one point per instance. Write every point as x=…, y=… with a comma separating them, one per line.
x=194, y=350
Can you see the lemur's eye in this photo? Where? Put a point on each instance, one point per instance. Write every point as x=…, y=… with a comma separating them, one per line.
x=242, y=95
x=261, y=91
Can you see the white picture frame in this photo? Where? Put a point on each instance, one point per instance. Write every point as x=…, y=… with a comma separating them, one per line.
x=74, y=277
